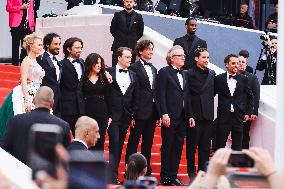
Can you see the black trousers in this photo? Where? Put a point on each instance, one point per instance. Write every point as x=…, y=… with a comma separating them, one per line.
x=71, y=119
x=233, y=125
x=146, y=128
x=18, y=34
x=117, y=133
x=198, y=136
x=246, y=136
x=172, y=143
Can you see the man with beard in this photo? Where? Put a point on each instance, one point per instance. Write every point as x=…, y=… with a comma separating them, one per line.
x=190, y=42
x=70, y=82
x=126, y=27
x=51, y=66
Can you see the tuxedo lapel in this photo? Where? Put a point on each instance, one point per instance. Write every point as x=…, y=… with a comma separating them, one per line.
x=146, y=78
x=237, y=85
x=173, y=75
x=72, y=68
x=48, y=59
x=131, y=81
x=112, y=72
x=154, y=77
x=225, y=84
x=208, y=79
x=184, y=79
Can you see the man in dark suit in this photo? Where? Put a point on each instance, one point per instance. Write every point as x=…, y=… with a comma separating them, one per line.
x=190, y=42
x=147, y=112
x=176, y=115
x=16, y=138
x=201, y=89
x=86, y=134
x=126, y=27
x=235, y=104
x=254, y=85
x=72, y=104
x=122, y=106
x=51, y=66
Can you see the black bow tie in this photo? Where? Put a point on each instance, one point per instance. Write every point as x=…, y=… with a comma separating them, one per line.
x=54, y=59
x=232, y=76
x=147, y=64
x=76, y=60
x=122, y=70
x=179, y=71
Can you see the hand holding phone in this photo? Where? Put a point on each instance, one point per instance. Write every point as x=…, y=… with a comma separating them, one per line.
x=240, y=159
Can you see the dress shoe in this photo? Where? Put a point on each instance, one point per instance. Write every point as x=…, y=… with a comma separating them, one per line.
x=116, y=182
x=177, y=182
x=166, y=182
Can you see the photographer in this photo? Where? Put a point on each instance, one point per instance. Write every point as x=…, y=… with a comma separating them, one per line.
x=268, y=61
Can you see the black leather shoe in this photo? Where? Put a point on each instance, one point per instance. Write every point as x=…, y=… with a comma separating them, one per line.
x=116, y=182
x=177, y=182
x=166, y=182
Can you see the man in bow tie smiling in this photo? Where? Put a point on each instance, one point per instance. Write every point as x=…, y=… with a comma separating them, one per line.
x=123, y=99
x=235, y=104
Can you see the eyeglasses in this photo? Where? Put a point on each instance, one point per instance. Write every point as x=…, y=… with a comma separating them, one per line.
x=179, y=55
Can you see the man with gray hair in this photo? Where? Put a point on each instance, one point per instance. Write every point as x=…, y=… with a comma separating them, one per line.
x=16, y=137
x=176, y=114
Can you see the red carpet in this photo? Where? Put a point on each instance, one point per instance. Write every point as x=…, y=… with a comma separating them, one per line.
x=9, y=78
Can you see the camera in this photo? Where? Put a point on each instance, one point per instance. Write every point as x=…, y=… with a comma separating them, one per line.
x=264, y=37
x=239, y=159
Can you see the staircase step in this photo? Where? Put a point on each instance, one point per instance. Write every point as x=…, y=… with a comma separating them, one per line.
x=8, y=83
x=9, y=68
x=10, y=75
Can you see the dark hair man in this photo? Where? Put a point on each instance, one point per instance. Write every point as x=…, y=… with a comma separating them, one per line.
x=126, y=27
x=123, y=96
x=235, y=103
x=272, y=21
x=176, y=115
x=51, y=66
x=201, y=89
x=244, y=53
x=16, y=138
x=254, y=85
x=190, y=42
x=147, y=110
x=71, y=76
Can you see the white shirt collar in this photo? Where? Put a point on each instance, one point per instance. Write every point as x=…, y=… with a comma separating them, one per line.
x=79, y=140
x=119, y=67
x=230, y=74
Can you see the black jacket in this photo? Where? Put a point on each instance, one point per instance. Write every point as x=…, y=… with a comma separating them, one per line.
x=146, y=95
x=16, y=138
x=124, y=36
x=189, y=50
x=72, y=102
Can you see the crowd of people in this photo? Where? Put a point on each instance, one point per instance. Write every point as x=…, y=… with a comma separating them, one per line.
x=87, y=99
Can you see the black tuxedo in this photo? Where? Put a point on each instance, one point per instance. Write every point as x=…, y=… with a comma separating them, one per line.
x=189, y=45
x=242, y=101
x=76, y=145
x=173, y=101
x=254, y=85
x=16, y=138
x=201, y=90
x=122, y=108
x=72, y=104
x=147, y=113
x=124, y=35
x=50, y=79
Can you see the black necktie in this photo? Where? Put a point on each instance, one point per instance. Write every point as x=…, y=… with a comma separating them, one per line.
x=179, y=71
x=122, y=70
x=147, y=64
x=54, y=59
x=76, y=60
x=232, y=76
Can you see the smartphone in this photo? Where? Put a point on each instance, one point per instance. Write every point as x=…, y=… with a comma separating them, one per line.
x=42, y=154
x=239, y=159
x=87, y=170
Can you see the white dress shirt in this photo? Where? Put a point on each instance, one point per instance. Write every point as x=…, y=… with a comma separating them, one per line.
x=149, y=73
x=77, y=67
x=180, y=79
x=122, y=79
x=57, y=69
x=232, y=83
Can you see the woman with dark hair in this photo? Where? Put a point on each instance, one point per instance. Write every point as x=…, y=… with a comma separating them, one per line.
x=95, y=89
x=136, y=166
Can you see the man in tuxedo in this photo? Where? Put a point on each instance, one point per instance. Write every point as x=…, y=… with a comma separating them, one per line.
x=16, y=138
x=254, y=85
x=190, y=42
x=86, y=134
x=122, y=106
x=176, y=115
x=72, y=104
x=201, y=89
x=51, y=66
x=147, y=112
x=126, y=27
x=235, y=104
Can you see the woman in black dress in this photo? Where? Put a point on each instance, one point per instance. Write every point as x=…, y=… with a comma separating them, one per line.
x=95, y=89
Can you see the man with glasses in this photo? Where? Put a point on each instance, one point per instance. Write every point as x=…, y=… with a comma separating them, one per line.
x=190, y=42
x=254, y=85
x=176, y=115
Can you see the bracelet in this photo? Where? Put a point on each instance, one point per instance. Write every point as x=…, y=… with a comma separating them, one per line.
x=271, y=173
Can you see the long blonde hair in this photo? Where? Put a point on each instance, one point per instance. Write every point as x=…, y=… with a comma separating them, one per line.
x=29, y=40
